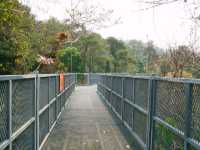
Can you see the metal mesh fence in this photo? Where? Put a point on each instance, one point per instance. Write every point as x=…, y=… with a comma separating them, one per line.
x=58, y=106
x=23, y=99
x=141, y=93
x=195, y=125
x=171, y=103
x=26, y=140
x=52, y=88
x=44, y=125
x=4, y=94
x=44, y=92
x=128, y=114
x=165, y=139
x=52, y=113
x=116, y=103
x=128, y=88
x=117, y=85
x=161, y=113
x=28, y=109
x=140, y=125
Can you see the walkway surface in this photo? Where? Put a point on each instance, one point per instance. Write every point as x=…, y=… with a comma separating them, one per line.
x=86, y=124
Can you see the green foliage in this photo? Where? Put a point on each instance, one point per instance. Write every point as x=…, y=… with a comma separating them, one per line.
x=165, y=138
x=66, y=57
x=15, y=26
x=92, y=49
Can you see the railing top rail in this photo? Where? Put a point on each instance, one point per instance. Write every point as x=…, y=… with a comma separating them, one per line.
x=27, y=76
x=157, y=78
x=16, y=77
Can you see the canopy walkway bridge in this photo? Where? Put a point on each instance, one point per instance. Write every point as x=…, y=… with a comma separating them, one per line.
x=98, y=112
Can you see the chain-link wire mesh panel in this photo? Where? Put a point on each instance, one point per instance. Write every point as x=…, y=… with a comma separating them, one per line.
x=93, y=78
x=116, y=102
x=108, y=81
x=58, y=106
x=67, y=81
x=103, y=80
x=128, y=114
x=141, y=93
x=117, y=85
x=4, y=104
x=52, y=113
x=62, y=100
x=164, y=139
x=136, y=145
x=23, y=99
x=43, y=125
x=140, y=125
x=128, y=88
x=107, y=96
x=57, y=85
x=52, y=88
x=195, y=126
x=25, y=141
x=44, y=92
x=65, y=96
x=171, y=103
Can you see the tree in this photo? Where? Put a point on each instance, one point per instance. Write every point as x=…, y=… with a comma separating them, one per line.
x=15, y=28
x=92, y=48
x=83, y=17
x=118, y=51
x=66, y=57
x=179, y=58
x=150, y=58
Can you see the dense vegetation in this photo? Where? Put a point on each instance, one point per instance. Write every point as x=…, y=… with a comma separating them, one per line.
x=72, y=47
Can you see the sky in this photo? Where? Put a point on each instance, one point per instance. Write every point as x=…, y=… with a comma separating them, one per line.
x=166, y=25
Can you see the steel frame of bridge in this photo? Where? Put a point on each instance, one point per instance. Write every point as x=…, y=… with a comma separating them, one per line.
x=14, y=136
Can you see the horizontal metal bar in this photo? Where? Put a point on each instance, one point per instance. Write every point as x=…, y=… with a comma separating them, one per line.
x=16, y=77
x=51, y=128
x=47, y=75
x=44, y=140
x=43, y=109
x=52, y=101
x=105, y=87
x=142, y=144
x=171, y=128
x=194, y=143
x=138, y=108
x=22, y=129
x=4, y=144
x=116, y=94
x=138, y=139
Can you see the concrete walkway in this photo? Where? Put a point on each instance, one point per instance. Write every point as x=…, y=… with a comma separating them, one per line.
x=86, y=124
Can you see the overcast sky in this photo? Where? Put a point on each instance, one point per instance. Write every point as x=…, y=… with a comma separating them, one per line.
x=165, y=25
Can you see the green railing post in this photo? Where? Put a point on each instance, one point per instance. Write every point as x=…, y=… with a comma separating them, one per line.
x=188, y=113
x=37, y=86
x=10, y=114
x=151, y=113
x=122, y=100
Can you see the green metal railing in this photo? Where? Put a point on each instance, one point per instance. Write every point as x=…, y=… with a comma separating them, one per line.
x=160, y=113
x=30, y=106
